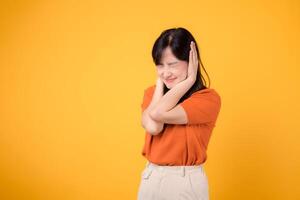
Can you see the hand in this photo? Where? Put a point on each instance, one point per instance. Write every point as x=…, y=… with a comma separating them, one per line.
x=193, y=62
x=159, y=83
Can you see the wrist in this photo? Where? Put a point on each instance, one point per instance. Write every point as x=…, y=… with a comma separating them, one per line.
x=190, y=80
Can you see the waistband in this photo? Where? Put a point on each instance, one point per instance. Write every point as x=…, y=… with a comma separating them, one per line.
x=181, y=169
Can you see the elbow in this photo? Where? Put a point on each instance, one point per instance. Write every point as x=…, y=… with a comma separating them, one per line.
x=151, y=123
x=153, y=129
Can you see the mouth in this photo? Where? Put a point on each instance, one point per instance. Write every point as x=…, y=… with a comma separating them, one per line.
x=170, y=80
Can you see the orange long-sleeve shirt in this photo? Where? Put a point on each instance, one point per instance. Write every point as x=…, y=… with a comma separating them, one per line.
x=184, y=144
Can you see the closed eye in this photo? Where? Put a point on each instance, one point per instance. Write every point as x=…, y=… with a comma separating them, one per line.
x=171, y=63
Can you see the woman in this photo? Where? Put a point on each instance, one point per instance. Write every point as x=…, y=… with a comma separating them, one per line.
x=179, y=113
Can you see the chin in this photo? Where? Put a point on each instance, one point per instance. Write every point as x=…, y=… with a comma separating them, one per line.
x=170, y=85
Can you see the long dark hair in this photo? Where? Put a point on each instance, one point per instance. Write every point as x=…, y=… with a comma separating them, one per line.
x=179, y=39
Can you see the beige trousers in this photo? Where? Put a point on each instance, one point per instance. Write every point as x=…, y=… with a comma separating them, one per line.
x=173, y=183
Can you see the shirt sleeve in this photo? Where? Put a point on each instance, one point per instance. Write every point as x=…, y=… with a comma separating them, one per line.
x=202, y=107
x=148, y=93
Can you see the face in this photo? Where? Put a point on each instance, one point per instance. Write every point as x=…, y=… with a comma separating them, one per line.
x=171, y=70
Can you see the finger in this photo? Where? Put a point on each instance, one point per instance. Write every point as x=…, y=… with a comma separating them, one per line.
x=194, y=52
x=190, y=56
x=190, y=66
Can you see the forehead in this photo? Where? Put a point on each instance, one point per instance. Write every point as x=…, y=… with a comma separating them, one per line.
x=167, y=55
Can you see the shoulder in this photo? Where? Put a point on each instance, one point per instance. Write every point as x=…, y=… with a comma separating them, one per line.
x=207, y=93
x=150, y=89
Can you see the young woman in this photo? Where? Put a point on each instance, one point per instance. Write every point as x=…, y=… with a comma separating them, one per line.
x=179, y=113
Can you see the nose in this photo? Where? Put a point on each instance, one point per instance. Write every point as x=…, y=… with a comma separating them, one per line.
x=167, y=74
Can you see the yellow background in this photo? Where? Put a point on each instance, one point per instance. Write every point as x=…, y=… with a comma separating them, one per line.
x=72, y=77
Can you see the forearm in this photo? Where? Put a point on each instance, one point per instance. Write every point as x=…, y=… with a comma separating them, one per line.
x=171, y=98
x=157, y=95
x=152, y=126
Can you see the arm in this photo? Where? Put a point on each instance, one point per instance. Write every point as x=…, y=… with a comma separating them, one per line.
x=162, y=110
x=149, y=124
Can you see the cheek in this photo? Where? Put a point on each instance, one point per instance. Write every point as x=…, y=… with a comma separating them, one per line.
x=182, y=71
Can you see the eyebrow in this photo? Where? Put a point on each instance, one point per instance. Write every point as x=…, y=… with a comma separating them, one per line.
x=171, y=62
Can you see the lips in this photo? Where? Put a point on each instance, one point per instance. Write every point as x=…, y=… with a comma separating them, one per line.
x=170, y=80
